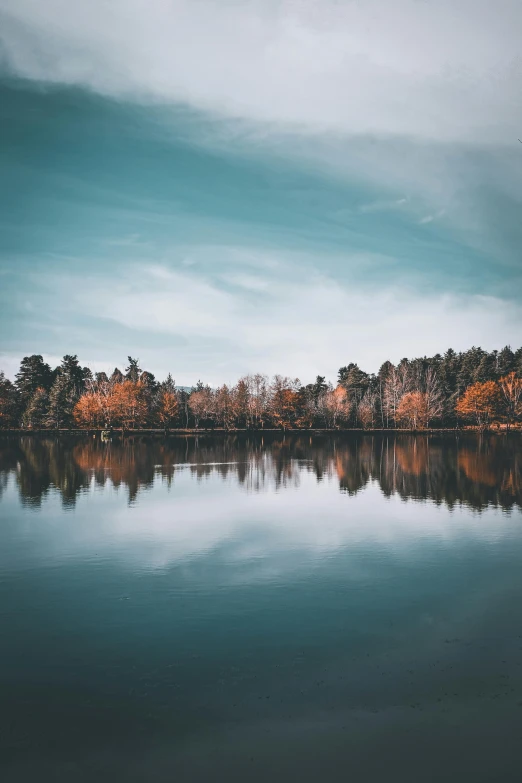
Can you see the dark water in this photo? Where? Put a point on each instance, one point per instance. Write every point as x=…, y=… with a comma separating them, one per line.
x=232, y=609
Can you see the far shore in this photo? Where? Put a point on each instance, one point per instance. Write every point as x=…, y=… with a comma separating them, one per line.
x=119, y=432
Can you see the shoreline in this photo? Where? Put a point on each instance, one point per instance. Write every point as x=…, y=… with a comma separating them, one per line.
x=118, y=431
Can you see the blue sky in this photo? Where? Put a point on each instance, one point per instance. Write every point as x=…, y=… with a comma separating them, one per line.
x=276, y=187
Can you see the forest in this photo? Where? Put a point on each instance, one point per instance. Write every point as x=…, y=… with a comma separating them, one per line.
x=474, y=388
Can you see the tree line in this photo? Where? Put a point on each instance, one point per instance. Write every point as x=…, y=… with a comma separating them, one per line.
x=451, y=390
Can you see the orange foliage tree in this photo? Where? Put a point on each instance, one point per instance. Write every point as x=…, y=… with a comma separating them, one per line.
x=284, y=410
x=412, y=410
x=284, y=401
x=336, y=406
x=127, y=404
x=88, y=411
x=480, y=403
x=167, y=408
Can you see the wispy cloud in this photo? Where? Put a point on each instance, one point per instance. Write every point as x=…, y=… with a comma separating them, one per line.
x=301, y=325
x=266, y=141
x=431, y=218
x=383, y=205
x=431, y=70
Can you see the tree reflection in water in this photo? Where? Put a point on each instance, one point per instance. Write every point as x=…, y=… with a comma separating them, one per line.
x=472, y=469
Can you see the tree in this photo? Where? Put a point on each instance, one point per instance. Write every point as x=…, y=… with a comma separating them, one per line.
x=487, y=368
x=257, y=398
x=201, y=403
x=62, y=399
x=33, y=374
x=355, y=381
x=506, y=361
x=284, y=400
x=396, y=385
x=100, y=387
x=242, y=403
x=127, y=405
x=169, y=384
x=168, y=406
x=336, y=406
x=184, y=405
x=65, y=392
x=149, y=388
x=9, y=403
x=511, y=393
x=74, y=374
x=37, y=411
x=116, y=376
x=434, y=397
x=480, y=403
x=413, y=410
x=284, y=408
x=133, y=371
x=366, y=409
x=225, y=407
x=88, y=411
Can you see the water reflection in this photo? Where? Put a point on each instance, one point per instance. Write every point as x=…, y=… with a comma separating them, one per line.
x=475, y=470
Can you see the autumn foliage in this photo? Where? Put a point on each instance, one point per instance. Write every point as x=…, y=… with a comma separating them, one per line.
x=480, y=403
x=412, y=410
x=469, y=389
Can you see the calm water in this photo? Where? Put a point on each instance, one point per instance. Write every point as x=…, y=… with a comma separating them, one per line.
x=232, y=609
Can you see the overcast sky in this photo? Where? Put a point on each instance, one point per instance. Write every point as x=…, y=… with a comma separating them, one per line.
x=274, y=186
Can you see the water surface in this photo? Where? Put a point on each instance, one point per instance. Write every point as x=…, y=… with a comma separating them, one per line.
x=261, y=608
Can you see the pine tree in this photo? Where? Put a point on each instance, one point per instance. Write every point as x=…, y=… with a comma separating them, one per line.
x=116, y=377
x=37, y=411
x=133, y=371
x=506, y=361
x=33, y=374
x=74, y=374
x=65, y=392
x=9, y=403
x=169, y=384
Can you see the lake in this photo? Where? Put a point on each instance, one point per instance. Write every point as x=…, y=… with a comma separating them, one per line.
x=261, y=608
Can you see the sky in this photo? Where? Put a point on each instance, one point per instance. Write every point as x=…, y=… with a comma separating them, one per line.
x=275, y=186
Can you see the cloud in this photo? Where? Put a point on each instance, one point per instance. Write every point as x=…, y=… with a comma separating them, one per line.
x=388, y=108
x=430, y=218
x=437, y=71
x=398, y=96
x=383, y=205
x=302, y=323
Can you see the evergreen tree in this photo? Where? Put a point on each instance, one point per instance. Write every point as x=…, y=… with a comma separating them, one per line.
x=65, y=392
x=133, y=371
x=61, y=403
x=319, y=387
x=355, y=381
x=37, y=412
x=469, y=364
x=168, y=384
x=506, y=361
x=33, y=374
x=487, y=368
x=9, y=403
x=74, y=374
x=116, y=377
x=518, y=362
